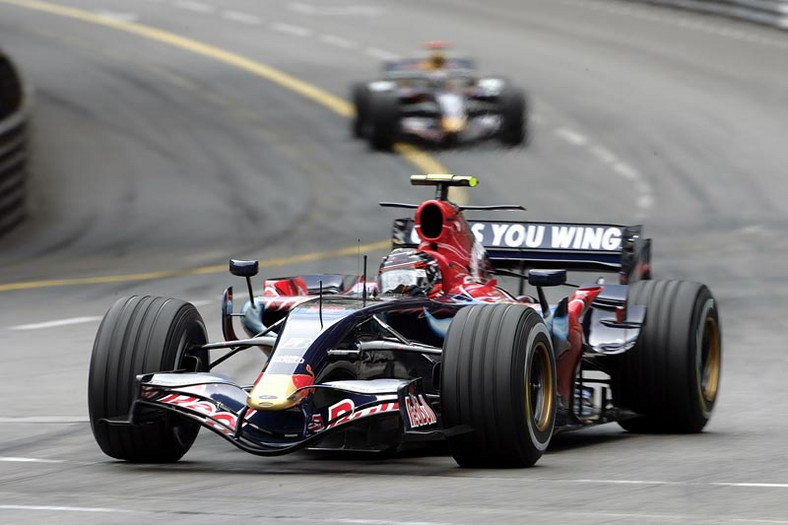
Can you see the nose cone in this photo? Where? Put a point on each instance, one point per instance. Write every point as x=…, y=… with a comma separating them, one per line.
x=275, y=391
x=453, y=124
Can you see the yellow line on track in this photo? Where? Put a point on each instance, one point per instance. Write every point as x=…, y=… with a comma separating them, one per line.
x=217, y=268
x=421, y=160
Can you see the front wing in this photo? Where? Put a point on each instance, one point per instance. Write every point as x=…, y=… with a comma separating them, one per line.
x=215, y=402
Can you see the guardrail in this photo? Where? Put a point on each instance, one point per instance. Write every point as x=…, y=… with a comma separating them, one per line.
x=768, y=12
x=13, y=145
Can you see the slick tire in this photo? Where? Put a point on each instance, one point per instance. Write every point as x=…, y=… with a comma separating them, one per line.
x=514, y=116
x=360, y=95
x=140, y=335
x=383, y=120
x=498, y=386
x=671, y=377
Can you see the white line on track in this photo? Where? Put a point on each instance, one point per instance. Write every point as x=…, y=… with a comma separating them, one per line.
x=381, y=54
x=203, y=302
x=645, y=199
x=744, y=520
x=197, y=7
x=338, y=41
x=57, y=323
x=538, y=118
x=626, y=171
x=291, y=29
x=44, y=419
x=61, y=509
x=117, y=15
x=643, y=482
x=28, y=460
x=753, y=485
x=241, y=17
x=383, y=522
x=603, y=154
x=348, y=10
x=571, y=136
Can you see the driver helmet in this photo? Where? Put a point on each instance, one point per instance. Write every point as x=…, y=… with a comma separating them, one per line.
x=411, y=273
x=437, y=60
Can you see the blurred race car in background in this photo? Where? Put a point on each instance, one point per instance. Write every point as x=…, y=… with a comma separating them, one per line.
x=439, y=99
x=433, y=349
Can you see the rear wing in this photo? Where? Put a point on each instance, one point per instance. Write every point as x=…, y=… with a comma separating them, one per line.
x=516, y=245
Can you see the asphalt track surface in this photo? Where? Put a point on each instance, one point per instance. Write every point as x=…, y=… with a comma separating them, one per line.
x=150, y=158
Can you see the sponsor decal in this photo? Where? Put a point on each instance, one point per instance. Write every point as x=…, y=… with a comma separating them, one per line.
x=224, y=422
x=533, y=236
x=545, y=236
x=345, y=411
x=316, y=424
x=420, y=414
x=288, y=359
x=282, y=303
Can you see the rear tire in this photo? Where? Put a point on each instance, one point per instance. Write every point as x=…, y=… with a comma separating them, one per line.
x=514, y=115
x=383, y=120
x=671, y=377
x=140, y=335
x=499, y=379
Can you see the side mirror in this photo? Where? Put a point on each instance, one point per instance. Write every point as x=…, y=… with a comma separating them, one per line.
x=547, y=277
x=241, y=268
x=247, y=269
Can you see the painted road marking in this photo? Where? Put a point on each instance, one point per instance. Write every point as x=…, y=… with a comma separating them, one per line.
x=115, y=15
x=203, y=270
x=29, y=460
x=381, y=54
x=571, y=136
x=645, y=197
x=239, y=16
x=44, y=420
x=55, y=324
x=291, y=29
x=82, y=320
x=201, y=302
x=644, y=482
x=422, y=161
x=349, y=10
x=197, y=7
x=603, y=154
x=52, y=508
x=338, y=41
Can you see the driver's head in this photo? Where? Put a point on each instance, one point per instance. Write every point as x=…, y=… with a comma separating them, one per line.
x=437, y=60
x=409, y=272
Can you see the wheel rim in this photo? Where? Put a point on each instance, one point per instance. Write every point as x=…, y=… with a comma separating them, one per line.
x=710, y=361
x=539, y=387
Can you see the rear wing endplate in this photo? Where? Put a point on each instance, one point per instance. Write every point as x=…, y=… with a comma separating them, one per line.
x=521, y=245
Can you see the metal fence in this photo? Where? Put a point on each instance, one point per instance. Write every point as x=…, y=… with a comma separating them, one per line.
x=13, y=145
x=768, y=12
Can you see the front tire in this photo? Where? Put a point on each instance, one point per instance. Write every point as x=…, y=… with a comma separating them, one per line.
x=514, y=115
x=140, y=335
x=499, y=380
x=360, y=95
x=671, y=377
x=383, y=120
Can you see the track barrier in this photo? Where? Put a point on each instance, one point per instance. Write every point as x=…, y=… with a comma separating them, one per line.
x=767, y=12
x=14, y=113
